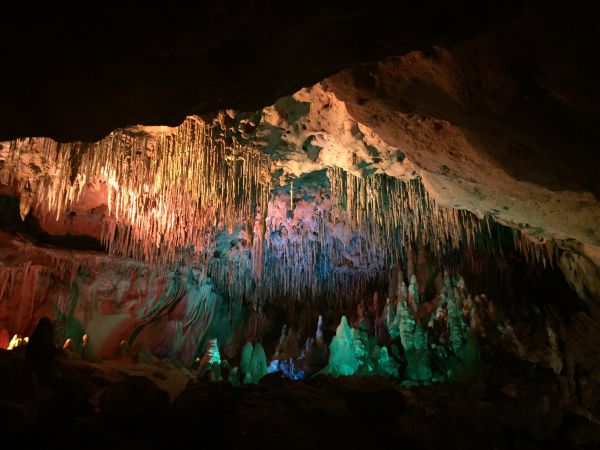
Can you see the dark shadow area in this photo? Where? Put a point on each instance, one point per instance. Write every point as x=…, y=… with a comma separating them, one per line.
x=30, y=229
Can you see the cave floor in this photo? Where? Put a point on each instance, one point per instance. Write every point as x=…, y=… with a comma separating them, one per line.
x=120, y=404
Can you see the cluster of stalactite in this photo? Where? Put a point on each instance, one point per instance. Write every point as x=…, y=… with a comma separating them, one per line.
x=305, y=252
x=388, y=210
x=305, y=261
x=307, y=258
x=24, y=288
x=166, y=196
x=304, y=271
x=171, y=197
x=393, y=214
x=27, y=282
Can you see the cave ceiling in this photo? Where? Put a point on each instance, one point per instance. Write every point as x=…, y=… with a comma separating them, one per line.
x=493, y=106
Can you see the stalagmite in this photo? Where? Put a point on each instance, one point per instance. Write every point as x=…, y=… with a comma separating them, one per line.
x=389, y=313
x=462, y=343
x=386, y=365
x=413, y=293
x=246, y=361
x=258, y=363
x=342, y=356
x=211, y=361
x=17, y=341
x=319, y=332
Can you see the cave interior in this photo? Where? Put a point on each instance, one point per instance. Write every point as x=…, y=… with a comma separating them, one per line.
x=312, y=225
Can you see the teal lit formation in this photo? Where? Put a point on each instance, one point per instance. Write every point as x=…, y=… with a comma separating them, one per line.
x=417, y=341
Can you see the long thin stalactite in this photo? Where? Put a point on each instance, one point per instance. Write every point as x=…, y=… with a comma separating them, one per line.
x=167, y=197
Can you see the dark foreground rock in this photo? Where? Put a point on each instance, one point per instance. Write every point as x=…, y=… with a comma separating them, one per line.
x=504, y=407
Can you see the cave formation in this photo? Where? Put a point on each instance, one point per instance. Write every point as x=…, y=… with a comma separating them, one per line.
x=310, y=226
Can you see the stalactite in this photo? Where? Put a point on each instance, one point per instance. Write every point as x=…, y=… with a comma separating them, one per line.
x=166, y=198
x=390, y=211
x=27, y=284
x=172, y=198
x=7, y=280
